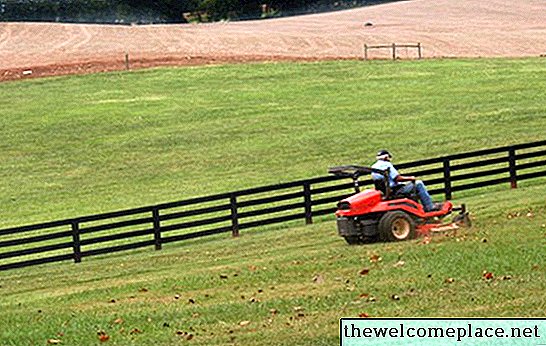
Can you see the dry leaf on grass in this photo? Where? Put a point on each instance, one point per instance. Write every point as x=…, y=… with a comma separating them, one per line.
x=53, y=341
x=487, y=275
x=375, y=258
x=103, y=337
x=365, y=271
x=318, y=279
x=399, y=264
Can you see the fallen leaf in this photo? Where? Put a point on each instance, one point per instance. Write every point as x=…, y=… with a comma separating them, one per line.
x=189, y=336
x=488, y=275
x=363, y=315
x=449, y=280
x=53, y=341
x=118, y=321
x=103, y=337
x=135, y=331
x=252, y=268
x=318, y=279
x=365, y=271
x=399, y=264
x=244, y=323
x=375, y=258
x=363, y=295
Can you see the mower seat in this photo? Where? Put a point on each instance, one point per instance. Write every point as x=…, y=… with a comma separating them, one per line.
x=380, y=186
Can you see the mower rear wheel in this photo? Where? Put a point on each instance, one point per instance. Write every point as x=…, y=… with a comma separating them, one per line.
x=396, y=226
x=353, y=239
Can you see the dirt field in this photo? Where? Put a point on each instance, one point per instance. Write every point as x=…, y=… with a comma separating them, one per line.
x=445, y=28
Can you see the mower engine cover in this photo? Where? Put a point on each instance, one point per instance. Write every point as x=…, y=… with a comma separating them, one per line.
x=359, y=203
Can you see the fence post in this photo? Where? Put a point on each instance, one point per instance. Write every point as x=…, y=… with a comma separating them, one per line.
x=307, y=199
x=419, y=50
x=394, y=51
x=365, y=51
x=126, y=61
x=234, y=216
x=447, y=179
x=76, y=242
x=157, y=229
x=513, y=171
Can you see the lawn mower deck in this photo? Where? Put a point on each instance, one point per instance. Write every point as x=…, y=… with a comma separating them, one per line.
x=379, y=215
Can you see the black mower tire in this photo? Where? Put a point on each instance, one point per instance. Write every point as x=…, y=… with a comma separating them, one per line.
x=353, y=239
x=396, y=226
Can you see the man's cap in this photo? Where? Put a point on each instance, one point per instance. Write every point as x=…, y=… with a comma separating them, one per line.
x=383, y=153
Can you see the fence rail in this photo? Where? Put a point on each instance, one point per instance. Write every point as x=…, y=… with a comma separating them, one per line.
x=74, y=239
x=393, y=47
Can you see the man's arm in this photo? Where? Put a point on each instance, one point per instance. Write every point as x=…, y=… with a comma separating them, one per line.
x=397, y=177
x=402, y=178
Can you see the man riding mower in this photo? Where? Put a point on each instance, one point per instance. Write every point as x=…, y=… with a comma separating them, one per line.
x=388, y=214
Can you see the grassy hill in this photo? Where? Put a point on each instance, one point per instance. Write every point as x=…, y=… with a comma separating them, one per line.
x=78, y=145
x=87, y=144
x=285, y=286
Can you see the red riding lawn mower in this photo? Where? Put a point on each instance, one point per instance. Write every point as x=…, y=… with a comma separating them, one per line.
x=380, y=214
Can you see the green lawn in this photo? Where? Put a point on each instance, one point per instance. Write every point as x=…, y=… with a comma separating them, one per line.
x=291, y=284
x=81, y=145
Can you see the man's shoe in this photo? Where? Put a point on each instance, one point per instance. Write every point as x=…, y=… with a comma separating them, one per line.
x=437, y=206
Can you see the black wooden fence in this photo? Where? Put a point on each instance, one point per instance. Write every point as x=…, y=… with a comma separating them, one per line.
x=74, y=239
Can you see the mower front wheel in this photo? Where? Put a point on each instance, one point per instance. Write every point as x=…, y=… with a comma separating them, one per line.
x=396, y=226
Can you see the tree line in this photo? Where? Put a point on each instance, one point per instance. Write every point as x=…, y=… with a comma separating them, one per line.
x=164, y=11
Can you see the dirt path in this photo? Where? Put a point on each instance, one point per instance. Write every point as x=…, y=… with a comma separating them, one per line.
x=446, y=28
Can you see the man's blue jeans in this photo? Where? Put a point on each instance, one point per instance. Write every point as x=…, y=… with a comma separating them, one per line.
x=422, y=192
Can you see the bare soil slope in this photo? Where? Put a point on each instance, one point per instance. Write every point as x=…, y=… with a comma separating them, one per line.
x=446, y=28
